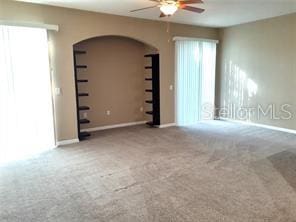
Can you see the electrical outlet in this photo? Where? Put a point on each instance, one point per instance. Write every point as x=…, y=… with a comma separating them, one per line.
x=141, y=109
x=108, y=112
x=171, y=87
x=85, y=115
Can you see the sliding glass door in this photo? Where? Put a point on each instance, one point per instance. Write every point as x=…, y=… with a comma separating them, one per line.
x=195, y=81
x=26, y=109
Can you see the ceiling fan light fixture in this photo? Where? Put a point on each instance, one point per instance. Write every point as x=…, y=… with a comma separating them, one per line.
x=168, y=9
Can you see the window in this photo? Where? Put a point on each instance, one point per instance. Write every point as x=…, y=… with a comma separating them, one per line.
x=26, y=109
x=195, y=81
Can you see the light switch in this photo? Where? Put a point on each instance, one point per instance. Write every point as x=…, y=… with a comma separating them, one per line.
x=58, y=91
x=171, y=87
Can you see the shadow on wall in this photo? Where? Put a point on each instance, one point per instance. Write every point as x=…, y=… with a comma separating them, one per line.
x=238, y=89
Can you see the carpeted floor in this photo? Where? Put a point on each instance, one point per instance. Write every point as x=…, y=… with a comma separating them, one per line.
x=214, y=171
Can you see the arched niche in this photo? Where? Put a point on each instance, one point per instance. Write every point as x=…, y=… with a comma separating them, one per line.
x=116, y=80
x=119, y=36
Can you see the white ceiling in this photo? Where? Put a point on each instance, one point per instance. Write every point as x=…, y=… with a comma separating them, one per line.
x=219, y=13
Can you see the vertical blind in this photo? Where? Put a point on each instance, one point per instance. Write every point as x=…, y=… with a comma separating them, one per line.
x=26, y=113
x=195, y=68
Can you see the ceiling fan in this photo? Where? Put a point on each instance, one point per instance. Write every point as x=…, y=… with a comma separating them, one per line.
x=169, y=7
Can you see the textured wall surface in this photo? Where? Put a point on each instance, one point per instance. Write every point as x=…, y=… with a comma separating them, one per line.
x=115, y=70
x=75, y=26
x=257, y=67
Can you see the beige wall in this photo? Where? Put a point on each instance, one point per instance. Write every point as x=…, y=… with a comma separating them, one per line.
x=115, y=70
x=259, y=55
x=75, y=26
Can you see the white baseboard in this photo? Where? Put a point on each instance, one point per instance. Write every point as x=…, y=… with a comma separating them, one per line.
x=259, y=125
x=67, y=142
x=166, y=125
x=113, y=126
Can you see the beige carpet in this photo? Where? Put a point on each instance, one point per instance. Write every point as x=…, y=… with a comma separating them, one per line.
x=214, y=171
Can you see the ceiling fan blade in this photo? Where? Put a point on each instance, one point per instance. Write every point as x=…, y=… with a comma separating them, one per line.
x=155, y=1
x=162, y=15
x=191, y=2
x=140, y=9
x=192, y=9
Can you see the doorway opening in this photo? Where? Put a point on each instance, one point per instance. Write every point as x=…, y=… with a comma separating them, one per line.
x=195, y=80
x=26, y=107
